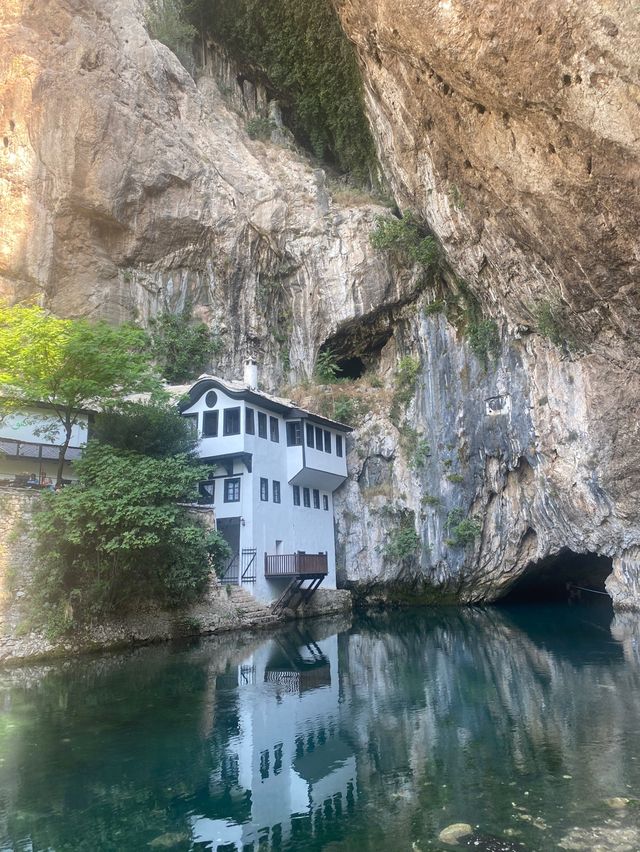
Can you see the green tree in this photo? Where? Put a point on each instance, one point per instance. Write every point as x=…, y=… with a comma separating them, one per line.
x=153, y=429
x=70, y=364
x=182, y=349
x=119, y=536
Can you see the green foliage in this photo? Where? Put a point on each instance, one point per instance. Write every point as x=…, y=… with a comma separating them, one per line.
x=326, y=367
x=462, y=530
x=182, y=348
x=346, y=410
x=455, y=477
x=406, y=237
x=433, y=308
x=151, y=429
x=260, y=127
x=430, y=500
x=405, y=381
x=415, y=446
x=483, y=333
x=118, y=537
x=166, y=22
x=403, y=541
x=553, y=323
x=303, y=51
x=70, y=364
x=484, y=339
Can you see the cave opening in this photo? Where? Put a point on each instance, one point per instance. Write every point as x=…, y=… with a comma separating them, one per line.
x=357, y=345
x=565, y=577
x=350, y=368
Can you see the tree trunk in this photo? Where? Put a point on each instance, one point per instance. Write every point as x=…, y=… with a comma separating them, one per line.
x=63, y=451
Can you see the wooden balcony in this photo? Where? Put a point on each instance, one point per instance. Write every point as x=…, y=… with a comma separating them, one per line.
x=296, y=565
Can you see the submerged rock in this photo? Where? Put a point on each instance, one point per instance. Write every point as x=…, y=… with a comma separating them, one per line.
x=617, y=802
x=452, y=833
x=602, y=838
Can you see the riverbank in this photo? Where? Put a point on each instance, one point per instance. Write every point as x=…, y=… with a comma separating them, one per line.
x=223, y=609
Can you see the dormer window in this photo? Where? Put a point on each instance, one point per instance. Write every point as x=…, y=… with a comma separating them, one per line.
x=210, y=424
x=231, y=422
x=262, y=425
x=294, y=434
x=192, y=420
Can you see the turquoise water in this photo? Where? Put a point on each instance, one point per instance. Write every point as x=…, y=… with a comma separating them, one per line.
x=367, y=735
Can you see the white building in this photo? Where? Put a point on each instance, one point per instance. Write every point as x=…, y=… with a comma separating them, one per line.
x=286, y=764
x=30, y=441
x=271, y=470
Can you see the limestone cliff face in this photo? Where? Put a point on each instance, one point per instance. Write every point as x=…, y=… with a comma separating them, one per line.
x=514, y=131
x=126, y=187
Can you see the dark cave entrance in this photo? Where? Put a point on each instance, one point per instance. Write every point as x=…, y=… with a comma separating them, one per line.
x=566, y=577
x=350, y=368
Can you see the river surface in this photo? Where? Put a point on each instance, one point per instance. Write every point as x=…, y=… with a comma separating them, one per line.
x=368, y=734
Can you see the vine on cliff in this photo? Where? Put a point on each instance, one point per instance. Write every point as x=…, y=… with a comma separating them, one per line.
x=305, y=55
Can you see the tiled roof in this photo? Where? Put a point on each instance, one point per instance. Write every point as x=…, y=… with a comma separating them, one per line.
x=257, y=397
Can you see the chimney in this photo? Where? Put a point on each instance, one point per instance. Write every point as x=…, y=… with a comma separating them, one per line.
x=251, y=373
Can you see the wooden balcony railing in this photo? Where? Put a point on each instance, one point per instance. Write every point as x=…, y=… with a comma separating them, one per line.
x=295, y=565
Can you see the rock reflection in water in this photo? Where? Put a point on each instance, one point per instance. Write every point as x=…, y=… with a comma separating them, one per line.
x=523, y=723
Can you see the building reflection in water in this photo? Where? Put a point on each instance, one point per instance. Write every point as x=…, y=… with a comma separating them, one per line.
x=285, y=769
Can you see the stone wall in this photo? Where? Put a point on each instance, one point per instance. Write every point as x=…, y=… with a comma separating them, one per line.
x=16, y=552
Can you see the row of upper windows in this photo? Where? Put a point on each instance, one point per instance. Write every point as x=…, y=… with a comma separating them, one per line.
x=306, y=498
x=317, y=438
x=232, y=493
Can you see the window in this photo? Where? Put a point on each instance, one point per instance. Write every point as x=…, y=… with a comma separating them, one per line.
x=306, y=497
x=192, y=420
x=338, y=445
x=262, y=425
x=264, y=489
x=309, y=435
x=294, y=434
x=231, y=422
x=327, y=441
x=231, y=490
x=318, y=438
x=325, y=502
x=316, y=498
x=210, y=399
x=210, y=424
x=276, y=491
x=296, y=495
x=207, y=491
x=249, y=421
x=274, y=432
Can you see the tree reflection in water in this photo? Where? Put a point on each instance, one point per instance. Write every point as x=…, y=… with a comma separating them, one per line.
x=522, y=722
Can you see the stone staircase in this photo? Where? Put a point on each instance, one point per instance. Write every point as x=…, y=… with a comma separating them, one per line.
x=250, y=610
